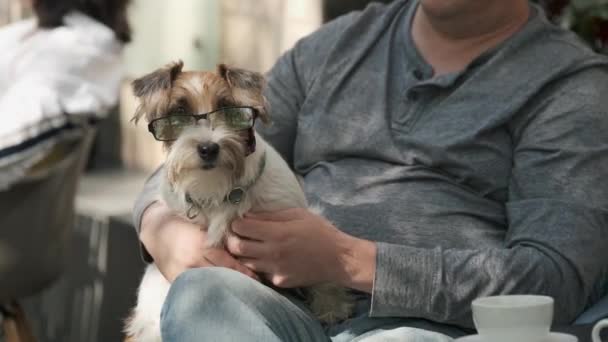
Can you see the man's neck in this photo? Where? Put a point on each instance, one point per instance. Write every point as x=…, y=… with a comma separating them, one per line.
x=449, y=43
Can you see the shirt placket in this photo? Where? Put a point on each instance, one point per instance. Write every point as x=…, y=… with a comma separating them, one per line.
x=413, y=101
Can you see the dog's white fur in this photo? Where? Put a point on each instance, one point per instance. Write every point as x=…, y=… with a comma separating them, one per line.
x=276, y=188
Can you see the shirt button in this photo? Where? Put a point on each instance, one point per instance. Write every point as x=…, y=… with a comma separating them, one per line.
x=417, y=73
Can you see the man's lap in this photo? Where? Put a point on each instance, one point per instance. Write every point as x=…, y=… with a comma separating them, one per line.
x=219, y=303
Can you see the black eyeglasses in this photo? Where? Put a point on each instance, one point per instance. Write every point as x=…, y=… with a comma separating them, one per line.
x=169, y=128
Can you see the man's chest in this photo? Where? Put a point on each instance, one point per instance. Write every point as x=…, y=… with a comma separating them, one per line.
x=451, y=130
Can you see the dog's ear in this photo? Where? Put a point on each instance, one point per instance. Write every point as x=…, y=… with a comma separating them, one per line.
x=241, y=78
x=247, y=87
x=160, y=80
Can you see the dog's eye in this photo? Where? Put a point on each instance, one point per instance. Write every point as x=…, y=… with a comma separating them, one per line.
x=178, y=110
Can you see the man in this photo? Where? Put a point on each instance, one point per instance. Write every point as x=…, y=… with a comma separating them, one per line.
x=458, y=147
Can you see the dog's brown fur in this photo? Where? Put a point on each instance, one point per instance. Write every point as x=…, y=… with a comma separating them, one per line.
x=169, y=89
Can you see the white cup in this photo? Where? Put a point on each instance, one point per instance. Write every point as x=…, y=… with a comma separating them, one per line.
x=521, y=318
x=595, y=334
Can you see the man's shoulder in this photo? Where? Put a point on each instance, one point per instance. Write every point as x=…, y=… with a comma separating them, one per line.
x=573, y=66
x=547, y=59
x=568, y=81
x=343, y=37
x=555, y=46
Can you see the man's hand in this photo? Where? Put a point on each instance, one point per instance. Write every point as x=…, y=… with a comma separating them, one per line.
x=176, y=244
x=295, y=247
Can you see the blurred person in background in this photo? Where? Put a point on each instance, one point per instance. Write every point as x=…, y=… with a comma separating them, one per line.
x=61, y=66
x=59, y=73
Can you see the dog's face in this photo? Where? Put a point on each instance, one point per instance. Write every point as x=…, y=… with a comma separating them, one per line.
x=214, y=145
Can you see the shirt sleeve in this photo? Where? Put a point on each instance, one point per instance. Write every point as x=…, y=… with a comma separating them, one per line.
x=557, y=238
x=284, y=95
x=146, y=197
x=289, y=80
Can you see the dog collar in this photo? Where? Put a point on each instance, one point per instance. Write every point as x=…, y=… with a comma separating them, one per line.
x=234, y=196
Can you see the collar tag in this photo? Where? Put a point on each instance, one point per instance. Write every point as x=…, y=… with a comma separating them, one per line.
x=236, y=195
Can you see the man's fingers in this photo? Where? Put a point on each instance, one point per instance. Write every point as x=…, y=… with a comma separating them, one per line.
x=240, y=247
x=256, y=265
x=255, y=229
x=277, y=216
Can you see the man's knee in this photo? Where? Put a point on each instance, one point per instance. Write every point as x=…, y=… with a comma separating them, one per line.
x=205, y=289
x=211, y=303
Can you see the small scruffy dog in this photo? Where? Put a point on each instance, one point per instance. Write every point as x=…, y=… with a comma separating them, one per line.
x=217, y=169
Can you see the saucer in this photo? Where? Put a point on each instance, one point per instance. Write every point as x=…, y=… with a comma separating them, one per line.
x=552, y=337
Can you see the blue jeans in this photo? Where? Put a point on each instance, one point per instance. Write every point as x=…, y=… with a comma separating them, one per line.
x=219, y=304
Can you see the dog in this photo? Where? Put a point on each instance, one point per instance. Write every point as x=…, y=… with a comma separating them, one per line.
x=217, y=169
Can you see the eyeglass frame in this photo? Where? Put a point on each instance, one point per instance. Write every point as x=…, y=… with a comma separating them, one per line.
x=199, y=117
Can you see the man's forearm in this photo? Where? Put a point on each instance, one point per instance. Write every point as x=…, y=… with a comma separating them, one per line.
x=440, y=284
x=359, y=261
x=152, y=220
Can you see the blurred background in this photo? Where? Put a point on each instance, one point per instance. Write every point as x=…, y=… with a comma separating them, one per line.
x=96, y=289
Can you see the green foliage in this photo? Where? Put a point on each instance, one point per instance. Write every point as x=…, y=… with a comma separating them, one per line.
x=588, y=18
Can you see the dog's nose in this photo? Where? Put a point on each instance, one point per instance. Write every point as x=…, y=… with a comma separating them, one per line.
x=208, y=151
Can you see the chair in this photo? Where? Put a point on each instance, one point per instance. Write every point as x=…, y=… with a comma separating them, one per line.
x=582, y=326
x=36, y=219
x=595, y=313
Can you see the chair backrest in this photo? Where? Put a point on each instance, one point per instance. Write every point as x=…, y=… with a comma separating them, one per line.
x=36, y=218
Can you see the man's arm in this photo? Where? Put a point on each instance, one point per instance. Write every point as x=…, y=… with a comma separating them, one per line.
x=147, y=197
x=289, y=81
x=284, y=95
x=557, y=213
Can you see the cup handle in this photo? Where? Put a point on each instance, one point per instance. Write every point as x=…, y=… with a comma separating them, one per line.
x=595, y=334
